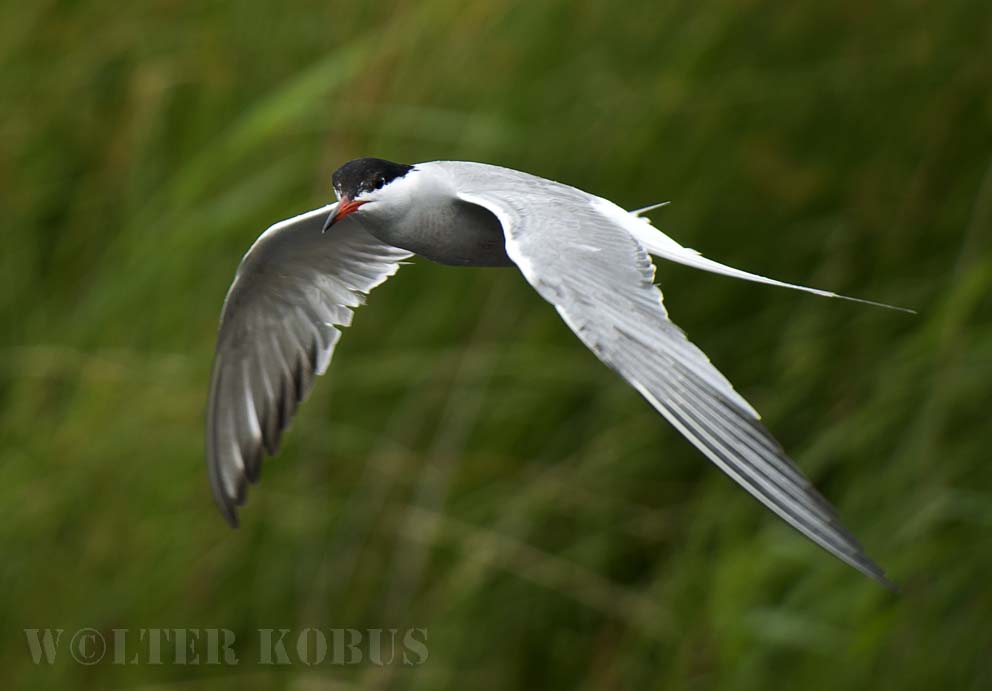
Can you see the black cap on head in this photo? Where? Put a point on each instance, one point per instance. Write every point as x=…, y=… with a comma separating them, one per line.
x=366, y=174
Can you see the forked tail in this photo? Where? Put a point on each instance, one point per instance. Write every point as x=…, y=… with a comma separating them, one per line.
x=660, y=245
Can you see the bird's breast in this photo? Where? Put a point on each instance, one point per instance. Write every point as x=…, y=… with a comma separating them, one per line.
x=453, y=232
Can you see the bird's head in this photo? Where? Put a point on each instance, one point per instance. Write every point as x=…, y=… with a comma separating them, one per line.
x=371, y=182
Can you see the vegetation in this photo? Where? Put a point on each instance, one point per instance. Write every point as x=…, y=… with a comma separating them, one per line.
x=467, y=466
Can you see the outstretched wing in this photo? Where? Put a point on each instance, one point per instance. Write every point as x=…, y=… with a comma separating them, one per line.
x=600, y=279
x=294, y=290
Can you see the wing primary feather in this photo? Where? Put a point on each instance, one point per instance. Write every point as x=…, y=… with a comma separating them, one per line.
x=276, y=335
x=608, y=299
x=845, y=552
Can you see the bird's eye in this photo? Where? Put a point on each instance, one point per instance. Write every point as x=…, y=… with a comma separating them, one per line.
x=379, y=182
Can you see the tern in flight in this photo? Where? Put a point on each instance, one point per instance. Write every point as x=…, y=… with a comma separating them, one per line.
x=300, y=281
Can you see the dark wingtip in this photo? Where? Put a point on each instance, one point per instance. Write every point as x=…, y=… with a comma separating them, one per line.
x=253, y=470
x=868, y=567
x=229, y=513
x=226, y=505
x=889, y=585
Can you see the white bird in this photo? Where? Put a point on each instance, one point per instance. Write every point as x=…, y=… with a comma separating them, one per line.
x=300, y=281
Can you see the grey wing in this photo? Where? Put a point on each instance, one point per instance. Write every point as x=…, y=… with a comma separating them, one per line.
x=600, y=280
x=294, y=290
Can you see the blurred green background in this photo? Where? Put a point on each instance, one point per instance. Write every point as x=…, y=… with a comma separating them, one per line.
x=467, y=466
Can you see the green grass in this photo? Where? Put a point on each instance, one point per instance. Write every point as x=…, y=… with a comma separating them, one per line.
x=466, y=465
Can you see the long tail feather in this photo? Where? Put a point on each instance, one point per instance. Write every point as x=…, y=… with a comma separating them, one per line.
x=660, y=245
